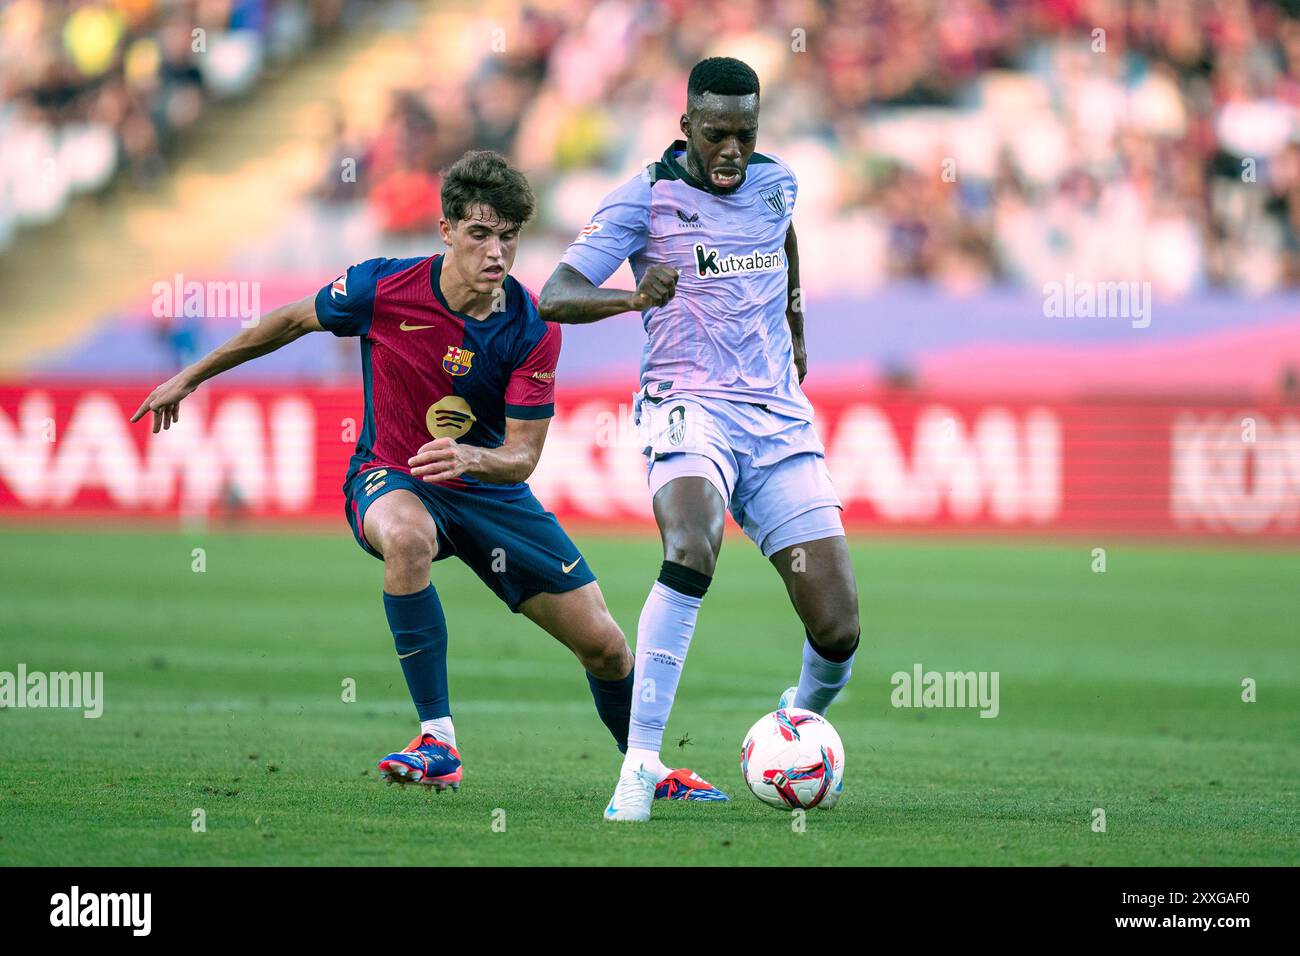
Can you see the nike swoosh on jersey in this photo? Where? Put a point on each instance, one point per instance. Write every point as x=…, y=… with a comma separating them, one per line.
x=402, y=657
x=570, y=567
x=412, y=328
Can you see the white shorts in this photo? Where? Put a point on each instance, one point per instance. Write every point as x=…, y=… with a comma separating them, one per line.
x=769, y=468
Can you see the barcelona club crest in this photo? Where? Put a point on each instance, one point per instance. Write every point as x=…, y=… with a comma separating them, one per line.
x=457, y=361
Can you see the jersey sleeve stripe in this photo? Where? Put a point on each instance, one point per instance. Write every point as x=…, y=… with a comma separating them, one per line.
x=531, y=412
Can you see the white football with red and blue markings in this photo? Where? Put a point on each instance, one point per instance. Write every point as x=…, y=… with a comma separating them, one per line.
x=793, y=759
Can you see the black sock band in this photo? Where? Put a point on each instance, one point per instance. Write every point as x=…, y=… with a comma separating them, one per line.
x=835, y=657
x=684, y=580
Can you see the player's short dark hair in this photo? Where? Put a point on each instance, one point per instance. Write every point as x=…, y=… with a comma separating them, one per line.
x=723, y=75
x=485, y=177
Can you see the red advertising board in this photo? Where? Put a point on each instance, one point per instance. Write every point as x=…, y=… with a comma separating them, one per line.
x=915, y=462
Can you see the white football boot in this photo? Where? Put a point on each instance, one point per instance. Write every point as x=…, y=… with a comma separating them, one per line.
x=633, y=795
x=787, y=699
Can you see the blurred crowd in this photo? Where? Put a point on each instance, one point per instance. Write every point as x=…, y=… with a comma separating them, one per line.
x=962, y=142
x=965, y=142
x=95, y=89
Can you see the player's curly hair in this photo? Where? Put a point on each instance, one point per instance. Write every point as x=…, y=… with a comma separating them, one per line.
x=485, y=176
x=723, y=75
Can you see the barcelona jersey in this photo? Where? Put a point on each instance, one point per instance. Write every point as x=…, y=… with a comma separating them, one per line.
x=432, y=372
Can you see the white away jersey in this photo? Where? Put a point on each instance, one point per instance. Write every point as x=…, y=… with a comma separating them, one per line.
x=724, y=335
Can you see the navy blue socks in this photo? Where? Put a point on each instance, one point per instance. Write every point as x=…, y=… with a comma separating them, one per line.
x=614, y=705
x=420, y=636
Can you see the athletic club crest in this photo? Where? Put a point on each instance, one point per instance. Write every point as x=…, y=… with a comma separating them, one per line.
x=775, y=199
x=457, y=361
x=677, y=424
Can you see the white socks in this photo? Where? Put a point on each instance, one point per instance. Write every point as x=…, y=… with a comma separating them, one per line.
x=820, y=680
x=649, y=759
x=441, y=729
x=662, y=638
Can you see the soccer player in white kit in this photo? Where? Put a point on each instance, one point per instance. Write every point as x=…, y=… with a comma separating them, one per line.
x=724, y=422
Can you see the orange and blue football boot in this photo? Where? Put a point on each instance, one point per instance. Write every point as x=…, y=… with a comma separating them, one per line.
x=688, y=785
x=425, y=760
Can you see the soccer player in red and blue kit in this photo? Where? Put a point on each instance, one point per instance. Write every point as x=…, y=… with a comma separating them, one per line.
x=459, y=377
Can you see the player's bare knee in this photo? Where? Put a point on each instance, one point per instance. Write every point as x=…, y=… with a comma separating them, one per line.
x=603, y=651
x=609, y=661
x=409, y=549
x=694, y=550
x=609, y=657
x=836, y=633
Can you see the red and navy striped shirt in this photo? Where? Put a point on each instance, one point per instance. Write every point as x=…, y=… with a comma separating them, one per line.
x=432, y=372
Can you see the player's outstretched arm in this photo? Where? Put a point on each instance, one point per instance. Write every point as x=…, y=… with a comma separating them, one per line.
x=514, y=460
x=569, y=298
x=794, y=303
x=277, y=328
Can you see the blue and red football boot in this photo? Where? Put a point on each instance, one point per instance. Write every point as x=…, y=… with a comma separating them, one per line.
x=687, y=785
x=425, y=760
x=637, y=790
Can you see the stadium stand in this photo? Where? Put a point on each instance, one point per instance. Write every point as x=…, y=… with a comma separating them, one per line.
x=964, y=152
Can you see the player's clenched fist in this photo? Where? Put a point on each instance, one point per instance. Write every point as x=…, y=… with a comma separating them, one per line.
x=443, y=458
x=657, y=286
x=165, y=402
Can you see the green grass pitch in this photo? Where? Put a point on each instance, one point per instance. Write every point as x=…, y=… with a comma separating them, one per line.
x=1119, y=690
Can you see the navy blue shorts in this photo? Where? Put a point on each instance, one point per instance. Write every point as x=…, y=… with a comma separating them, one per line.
x=505, y=535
